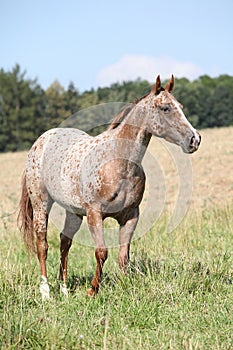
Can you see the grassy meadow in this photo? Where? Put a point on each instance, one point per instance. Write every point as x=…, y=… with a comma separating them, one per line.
x=178, y=293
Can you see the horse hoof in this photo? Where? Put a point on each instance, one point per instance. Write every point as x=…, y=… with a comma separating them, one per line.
x=45, y=297
x=91, y=292
x=44, y=289
x=64, y=290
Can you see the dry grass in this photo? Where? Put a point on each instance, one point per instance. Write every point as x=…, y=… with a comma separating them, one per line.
x=212, y=169
x=212, y=174
x=12, y=167
x=178, y=294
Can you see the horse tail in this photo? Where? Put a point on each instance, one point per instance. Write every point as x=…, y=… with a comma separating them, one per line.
x=25, y=217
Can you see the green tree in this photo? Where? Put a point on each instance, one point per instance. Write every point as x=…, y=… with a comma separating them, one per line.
x=56, y=105
x=21, y=110
x=222, y=106
x=72, y=98
x=26, y=110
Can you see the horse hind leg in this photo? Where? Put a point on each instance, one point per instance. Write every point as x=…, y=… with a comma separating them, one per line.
x=72, y=225
x=40, y=221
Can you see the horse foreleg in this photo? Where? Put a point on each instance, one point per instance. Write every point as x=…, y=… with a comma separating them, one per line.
x=101, y=255
x=40, y=219
x=72, y=224
x=127, y=227
x=95, y=222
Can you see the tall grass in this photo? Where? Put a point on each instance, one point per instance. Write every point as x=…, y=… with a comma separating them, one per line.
x=177, y=294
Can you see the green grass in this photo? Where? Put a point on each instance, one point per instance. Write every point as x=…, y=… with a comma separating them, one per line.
x=177, y=295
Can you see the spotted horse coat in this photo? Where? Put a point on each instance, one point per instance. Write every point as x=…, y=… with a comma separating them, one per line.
x=97, y=177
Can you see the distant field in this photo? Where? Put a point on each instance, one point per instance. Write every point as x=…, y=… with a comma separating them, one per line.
x=178, y=293
x=212, y=174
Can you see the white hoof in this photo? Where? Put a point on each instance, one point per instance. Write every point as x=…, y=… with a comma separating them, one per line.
x=44, y=289
x=64, y=290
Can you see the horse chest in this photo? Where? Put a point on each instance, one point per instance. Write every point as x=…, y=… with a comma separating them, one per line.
x=117, y=196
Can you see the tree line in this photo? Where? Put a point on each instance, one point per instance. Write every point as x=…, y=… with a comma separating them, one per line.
x=27, y=110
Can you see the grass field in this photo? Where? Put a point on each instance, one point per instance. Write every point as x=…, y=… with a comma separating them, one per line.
x=178, y=293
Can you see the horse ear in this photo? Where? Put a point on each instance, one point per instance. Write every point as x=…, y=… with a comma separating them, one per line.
x=157, y=87
x=170, y=85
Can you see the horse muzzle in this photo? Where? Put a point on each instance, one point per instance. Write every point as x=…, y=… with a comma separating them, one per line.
x=193, y=143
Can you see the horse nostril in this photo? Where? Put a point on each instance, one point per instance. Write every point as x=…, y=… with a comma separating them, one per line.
x=192, y=141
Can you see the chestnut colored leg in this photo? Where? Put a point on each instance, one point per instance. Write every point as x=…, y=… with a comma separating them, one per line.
x=40, y=220
x=72, y=225
x=95, y=223
x=127, y=227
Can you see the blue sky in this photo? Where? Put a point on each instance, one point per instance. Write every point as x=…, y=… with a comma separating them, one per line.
x=98, y=42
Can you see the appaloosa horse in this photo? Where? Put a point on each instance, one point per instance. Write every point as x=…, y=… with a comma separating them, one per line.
x=98, y=177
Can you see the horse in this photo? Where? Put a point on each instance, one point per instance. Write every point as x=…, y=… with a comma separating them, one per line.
x=97, y=177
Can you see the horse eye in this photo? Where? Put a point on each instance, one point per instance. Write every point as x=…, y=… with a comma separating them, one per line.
x=165, y=109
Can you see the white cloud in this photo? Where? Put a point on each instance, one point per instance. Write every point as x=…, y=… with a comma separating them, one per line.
x=131, y=67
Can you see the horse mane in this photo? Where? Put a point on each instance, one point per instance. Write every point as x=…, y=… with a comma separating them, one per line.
x=121, y=116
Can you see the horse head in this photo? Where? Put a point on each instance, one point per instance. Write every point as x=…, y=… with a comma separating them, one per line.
x=166, y=118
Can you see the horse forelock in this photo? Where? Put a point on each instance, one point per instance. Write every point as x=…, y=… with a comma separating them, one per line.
x=166, y=98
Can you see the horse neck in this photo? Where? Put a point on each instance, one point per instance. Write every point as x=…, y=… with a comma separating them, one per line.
x=132, y=130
